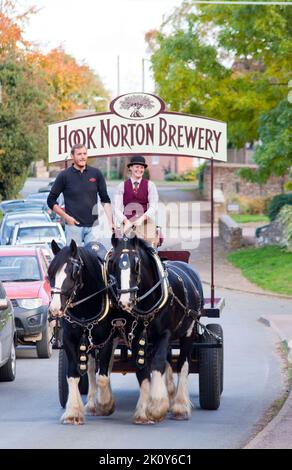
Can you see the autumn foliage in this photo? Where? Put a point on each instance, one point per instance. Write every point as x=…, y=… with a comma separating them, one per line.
x=36, y=89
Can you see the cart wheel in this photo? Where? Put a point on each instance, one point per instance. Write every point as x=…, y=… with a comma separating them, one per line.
x=211, y=371
x=62, y=378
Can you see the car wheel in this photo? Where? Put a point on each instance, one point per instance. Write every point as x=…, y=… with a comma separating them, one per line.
x=44, y=346
x=8, y=371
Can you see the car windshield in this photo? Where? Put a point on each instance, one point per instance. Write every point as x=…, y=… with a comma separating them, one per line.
x=25, y=206
x=19, y=268
x=43, y=196
x=9, y=223
x=37, y=233
x=38, y=196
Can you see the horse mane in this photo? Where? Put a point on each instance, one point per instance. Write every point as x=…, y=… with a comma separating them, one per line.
x=91, y=260
x=59, y=259
x=88, y=257
x=145, y=246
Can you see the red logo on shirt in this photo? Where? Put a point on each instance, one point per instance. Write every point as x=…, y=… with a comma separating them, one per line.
x=92, y=180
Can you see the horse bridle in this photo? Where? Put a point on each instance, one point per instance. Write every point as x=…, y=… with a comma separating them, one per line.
x=77, y=265
x=136, y=312
x=124, y=264
x=76, y=276
x=76, y=272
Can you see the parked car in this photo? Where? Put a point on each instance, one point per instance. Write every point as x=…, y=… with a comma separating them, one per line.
x=12, y=218
x=7, y=338
x=45, y=189
x=23, y=271
x=43, y=196
x=41, y=232
x=4, y=206
x=22, y=205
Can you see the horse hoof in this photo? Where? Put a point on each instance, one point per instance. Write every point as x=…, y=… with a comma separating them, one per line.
x=180, y=412
x=157, y=409
x=140, y=420
x=180, y=417
x=90, y=410
x=72, y=420
x=105, y=409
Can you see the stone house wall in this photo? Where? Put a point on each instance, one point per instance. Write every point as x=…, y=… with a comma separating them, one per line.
x=226, y=179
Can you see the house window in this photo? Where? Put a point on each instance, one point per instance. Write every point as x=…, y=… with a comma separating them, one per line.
x=155, y=160
x=237, y=187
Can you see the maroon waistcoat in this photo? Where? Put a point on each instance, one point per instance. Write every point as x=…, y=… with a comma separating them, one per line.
x=130, y=197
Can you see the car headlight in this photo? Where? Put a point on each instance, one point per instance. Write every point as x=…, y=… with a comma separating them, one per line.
x=29, y=303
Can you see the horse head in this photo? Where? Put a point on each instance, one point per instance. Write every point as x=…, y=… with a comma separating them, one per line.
x=65, y=276
x=125, y=267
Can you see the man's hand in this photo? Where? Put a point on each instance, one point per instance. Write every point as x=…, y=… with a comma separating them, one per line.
x=71, y=221
x=127, y=226
x=138, y=222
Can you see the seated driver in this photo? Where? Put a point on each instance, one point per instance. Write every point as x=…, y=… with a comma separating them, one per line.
x=136, y=203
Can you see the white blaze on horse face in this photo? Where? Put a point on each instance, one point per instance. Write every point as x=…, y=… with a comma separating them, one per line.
x=125, y=285
x=55, y=305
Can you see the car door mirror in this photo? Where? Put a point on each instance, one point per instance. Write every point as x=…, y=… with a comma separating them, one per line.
x=3, y=304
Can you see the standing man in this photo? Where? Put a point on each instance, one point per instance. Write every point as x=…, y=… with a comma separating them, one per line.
x=80, y=184
x=136, y=202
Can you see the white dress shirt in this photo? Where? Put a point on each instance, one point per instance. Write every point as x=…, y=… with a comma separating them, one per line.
x=119, y=204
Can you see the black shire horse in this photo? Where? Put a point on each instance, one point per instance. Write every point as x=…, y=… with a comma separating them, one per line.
x=165, y=301
x=80, y=297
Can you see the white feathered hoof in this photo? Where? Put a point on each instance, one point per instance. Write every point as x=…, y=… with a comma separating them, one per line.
x=105, y=409
x=157, y=409
x=73, y=417
x=181, y=411
x=91, y=408
x=142, y=420
x=169, y=382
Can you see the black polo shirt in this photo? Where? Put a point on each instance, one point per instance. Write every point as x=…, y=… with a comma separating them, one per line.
x=80, y=193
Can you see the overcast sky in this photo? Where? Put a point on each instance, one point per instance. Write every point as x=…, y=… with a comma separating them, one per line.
x=98, y=31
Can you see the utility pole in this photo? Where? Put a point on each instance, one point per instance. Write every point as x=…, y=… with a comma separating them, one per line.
x=143, y=75
x=118, y=75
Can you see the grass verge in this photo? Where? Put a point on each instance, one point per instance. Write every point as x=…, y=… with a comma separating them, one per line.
x=268, y=267
x=246, y=218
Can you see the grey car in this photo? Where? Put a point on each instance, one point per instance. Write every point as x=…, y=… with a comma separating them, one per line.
x=7, y=338
x=12, y=218
x=36, y=233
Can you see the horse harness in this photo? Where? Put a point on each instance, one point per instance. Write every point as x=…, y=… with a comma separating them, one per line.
x=78, y=284
x=167, y=293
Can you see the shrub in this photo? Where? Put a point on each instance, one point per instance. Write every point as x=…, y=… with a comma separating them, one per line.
x=172, y=177
x=285, y=217
x=201, y=176
x=288, y=186
x=189, y=175
x=249, y=205
x=277, y=203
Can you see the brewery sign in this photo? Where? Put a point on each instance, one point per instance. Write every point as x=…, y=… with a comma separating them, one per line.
x=138, y=123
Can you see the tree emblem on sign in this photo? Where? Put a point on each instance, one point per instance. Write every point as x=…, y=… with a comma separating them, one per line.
x=137, y=102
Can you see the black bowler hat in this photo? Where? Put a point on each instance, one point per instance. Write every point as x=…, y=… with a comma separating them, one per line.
x=137, y=160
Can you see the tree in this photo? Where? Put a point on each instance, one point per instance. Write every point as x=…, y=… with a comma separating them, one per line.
x=274, y=153
x=227, y=62
x=137, y=102
x=36, y=89
x=72, y=85
x=23, y=114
